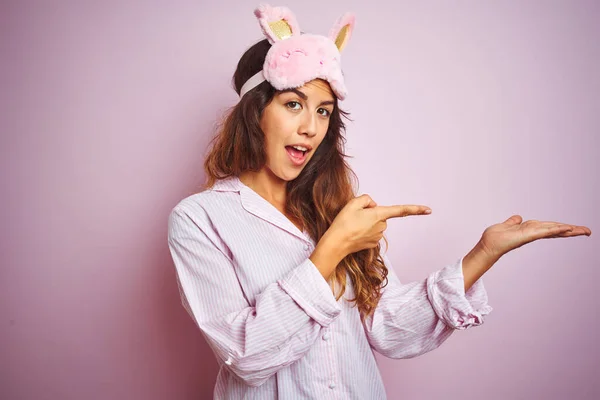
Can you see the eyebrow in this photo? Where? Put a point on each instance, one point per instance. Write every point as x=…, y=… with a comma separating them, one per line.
x=305, y=97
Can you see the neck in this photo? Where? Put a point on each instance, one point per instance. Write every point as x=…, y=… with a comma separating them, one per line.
x=267, y=185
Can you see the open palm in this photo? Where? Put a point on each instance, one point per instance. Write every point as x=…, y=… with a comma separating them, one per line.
x=513, y=233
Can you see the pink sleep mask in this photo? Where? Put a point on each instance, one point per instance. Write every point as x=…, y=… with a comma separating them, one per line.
x=296, y=59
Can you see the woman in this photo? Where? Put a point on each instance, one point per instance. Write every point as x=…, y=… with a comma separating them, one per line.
x=279, y=263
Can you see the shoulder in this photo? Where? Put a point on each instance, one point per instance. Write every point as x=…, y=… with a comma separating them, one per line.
x=194, y=203
x=205, y=208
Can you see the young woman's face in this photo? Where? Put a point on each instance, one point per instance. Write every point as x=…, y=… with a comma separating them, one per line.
x=296, y=118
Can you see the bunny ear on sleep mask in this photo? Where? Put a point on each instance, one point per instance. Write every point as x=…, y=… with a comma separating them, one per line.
x=294, y=58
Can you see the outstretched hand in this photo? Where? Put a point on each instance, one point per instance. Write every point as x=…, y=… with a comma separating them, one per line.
x=513, y=233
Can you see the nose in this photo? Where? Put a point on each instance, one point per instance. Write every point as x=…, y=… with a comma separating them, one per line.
x=309, y=125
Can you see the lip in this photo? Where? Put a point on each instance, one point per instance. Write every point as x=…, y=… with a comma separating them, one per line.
x=307, y=146
x=297, y=161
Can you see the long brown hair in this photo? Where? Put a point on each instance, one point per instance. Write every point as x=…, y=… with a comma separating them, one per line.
x=317, y=195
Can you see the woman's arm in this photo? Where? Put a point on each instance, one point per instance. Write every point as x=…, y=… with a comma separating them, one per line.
x=476, y=263
x=415, y=318
x=253, y=341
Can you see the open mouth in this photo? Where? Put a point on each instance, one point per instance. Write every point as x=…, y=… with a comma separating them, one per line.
x=297, y=155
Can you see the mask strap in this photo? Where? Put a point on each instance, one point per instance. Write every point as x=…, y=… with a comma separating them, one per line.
x=251, y=83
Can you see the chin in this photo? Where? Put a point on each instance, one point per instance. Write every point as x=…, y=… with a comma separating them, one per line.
x=287, y=175
x=290, y=177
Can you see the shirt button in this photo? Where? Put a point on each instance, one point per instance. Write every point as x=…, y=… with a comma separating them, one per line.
x=228, y=361
x=332, y=385
x=306, y=247
x=326, y=336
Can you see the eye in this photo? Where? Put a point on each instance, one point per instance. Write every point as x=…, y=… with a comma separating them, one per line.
x=292, y=105
x=292, y=102
x=327, y=113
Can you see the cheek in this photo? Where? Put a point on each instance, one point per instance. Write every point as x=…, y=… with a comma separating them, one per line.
x=273, y=135
x=276, y=130
x=269, y=127
x=323, y=131
x=274, y=139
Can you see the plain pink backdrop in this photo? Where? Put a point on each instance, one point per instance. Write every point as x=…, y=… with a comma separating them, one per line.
x=476, y=110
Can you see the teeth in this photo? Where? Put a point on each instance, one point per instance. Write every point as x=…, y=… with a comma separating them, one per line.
x=300, y=148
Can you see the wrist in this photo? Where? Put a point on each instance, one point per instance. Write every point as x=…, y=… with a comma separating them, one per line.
x=327, y=255
x=476, y=263
x=334, y=245
x=484, y=254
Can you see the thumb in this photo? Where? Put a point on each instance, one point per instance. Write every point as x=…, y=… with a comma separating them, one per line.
x=513, y=220
x=364, y=201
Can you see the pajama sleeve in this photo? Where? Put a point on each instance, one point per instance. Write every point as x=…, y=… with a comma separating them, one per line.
x=253, y=341
x=414, y=318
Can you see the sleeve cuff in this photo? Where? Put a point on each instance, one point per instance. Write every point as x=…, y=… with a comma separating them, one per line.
x=312, y=293
x=446, y=292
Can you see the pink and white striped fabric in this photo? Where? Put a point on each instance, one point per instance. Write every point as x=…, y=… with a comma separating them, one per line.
x=271, y=319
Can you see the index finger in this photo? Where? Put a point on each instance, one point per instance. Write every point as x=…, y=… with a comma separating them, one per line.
x=385, y=212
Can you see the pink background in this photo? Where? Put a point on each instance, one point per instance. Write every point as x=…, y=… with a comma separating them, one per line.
x=476, y=110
